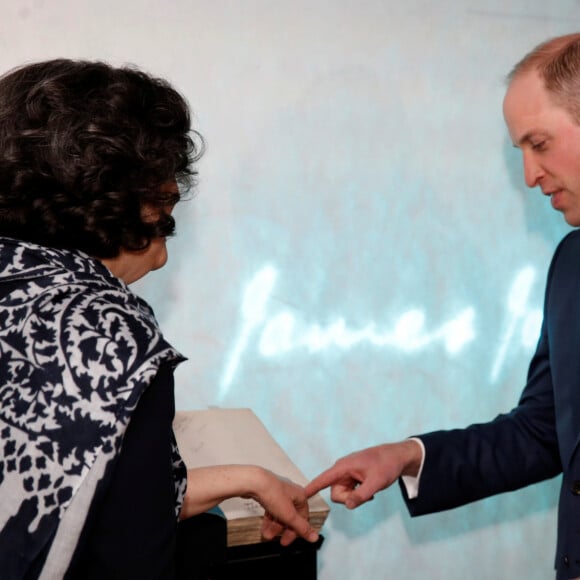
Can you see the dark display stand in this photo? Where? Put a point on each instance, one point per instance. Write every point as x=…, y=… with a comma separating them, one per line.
x=269, y=560
x=203, y=554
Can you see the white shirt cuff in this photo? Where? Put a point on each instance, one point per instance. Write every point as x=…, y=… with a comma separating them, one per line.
x=412, y=483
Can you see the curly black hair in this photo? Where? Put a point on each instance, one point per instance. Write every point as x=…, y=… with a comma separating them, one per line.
x=84, y=147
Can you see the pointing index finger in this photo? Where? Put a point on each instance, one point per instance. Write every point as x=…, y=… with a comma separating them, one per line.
x=321, y=481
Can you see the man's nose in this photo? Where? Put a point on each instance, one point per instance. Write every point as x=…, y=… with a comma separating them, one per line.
x=532, y=170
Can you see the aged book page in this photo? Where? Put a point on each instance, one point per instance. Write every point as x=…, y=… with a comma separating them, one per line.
x=219, y=436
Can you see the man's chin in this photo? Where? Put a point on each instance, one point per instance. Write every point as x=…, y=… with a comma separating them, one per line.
x=572, y=219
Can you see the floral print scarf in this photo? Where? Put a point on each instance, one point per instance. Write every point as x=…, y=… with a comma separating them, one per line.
x=77, y=350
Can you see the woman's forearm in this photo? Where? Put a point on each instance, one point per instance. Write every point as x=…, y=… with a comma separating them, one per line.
x=209, y=486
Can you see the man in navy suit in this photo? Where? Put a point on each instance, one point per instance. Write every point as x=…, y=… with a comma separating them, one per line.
x=539, y=438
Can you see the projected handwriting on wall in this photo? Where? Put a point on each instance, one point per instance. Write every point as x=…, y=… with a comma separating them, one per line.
x=278, y=333
x=520, y=317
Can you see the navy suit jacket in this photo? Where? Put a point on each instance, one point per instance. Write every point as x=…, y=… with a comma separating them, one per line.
x=538, y=439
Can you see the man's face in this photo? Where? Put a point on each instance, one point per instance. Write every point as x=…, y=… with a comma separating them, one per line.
x=549, y=139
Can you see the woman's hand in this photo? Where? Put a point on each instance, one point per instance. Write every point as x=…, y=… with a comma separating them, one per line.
x=284, y=502
x=286, y=508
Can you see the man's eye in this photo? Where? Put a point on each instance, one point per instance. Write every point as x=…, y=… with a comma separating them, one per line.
x=540, y=146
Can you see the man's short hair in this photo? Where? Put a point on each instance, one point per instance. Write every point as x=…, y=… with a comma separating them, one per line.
x=557, y=61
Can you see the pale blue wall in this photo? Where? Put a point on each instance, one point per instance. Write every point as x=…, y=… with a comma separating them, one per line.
x=357, y=170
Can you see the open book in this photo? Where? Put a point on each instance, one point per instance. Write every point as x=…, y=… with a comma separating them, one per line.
x=224, y=436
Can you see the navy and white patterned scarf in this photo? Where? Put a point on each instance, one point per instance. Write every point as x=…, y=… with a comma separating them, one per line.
x=77, y=350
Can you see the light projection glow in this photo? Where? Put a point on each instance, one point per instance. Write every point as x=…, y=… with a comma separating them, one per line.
x=282, y=332
x=519, y=312
x=253, y=312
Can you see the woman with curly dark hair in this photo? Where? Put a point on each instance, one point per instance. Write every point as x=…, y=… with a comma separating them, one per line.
x=92, y=160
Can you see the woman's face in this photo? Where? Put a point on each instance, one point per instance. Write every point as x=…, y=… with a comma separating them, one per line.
x=131, y=265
